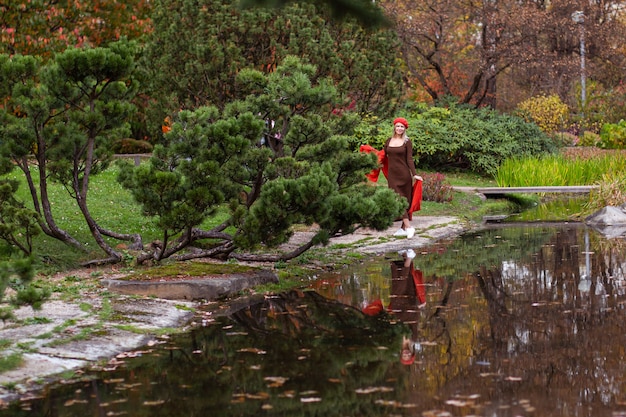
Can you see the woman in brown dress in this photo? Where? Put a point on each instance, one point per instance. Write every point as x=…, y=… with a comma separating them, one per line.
x=401, y=174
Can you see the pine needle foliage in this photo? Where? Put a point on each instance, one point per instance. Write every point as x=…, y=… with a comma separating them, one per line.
x=278, y=158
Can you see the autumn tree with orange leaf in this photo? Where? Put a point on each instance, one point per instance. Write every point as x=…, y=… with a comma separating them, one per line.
x=501, y=52
x=42, y=27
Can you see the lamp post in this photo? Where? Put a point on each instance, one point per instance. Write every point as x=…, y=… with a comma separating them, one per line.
x=579, y=18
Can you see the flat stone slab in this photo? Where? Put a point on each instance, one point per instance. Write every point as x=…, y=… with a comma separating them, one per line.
x=209, y=288
x=53, y=347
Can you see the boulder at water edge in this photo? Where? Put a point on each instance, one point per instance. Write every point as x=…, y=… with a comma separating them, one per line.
x=609, y=215
x=610, y=221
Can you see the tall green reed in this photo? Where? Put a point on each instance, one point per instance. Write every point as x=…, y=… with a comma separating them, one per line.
x=555, y=170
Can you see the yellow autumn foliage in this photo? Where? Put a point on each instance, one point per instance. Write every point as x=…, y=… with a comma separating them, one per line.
x=548, y=112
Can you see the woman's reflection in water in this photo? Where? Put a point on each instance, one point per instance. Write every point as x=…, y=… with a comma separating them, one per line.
x=408, y=296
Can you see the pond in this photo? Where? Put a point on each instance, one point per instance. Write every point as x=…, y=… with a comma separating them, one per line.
x=526, y=320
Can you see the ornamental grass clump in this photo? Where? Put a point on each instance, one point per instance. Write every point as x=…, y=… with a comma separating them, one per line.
x=611, y=192
x=558, y=170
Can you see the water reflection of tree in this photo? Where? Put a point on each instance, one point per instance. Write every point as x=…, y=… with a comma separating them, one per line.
x=276, y=352
x=554, y=321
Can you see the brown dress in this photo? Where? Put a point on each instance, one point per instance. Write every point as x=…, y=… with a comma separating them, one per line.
x=401, y=170
x=406, y=295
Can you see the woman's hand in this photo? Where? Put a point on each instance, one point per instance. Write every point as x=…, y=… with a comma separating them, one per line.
x=417, y=178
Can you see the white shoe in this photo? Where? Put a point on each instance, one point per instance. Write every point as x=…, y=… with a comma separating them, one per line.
x=410, y=232
x=400, y=233
x=410, y=254
x=402, y=252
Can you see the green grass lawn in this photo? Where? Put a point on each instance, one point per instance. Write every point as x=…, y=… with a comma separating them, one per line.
x=114, y=208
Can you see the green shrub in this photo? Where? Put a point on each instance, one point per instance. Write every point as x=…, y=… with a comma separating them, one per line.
x=475, y=140
x=460, y=137
x=589, y=139
x=127, y=146
x=613, y=135
x=565, y=139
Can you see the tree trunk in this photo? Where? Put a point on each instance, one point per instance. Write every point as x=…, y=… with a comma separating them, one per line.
x=81, y=187
x=42, y=204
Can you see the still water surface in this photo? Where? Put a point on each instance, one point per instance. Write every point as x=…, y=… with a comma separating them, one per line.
x=506, y=321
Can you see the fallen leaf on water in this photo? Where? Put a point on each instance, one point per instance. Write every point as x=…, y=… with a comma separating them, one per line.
x=436, y=413
x=394, y=404
x=310, y=400
x=153, y=403
x=121, y=400
x=253, y=350
x=458, y=403
x=276, y=381
x=371, y=390
x=387, y=403
x=130, y=386
x=69, y=403
x=258, y=396
x=113, y=381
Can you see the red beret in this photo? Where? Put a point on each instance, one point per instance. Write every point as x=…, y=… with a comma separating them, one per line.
x=407, y=361
x=401, y=120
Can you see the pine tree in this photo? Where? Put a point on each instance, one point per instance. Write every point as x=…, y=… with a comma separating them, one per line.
x=65, y=115
x=279, y=157
x=197, y=49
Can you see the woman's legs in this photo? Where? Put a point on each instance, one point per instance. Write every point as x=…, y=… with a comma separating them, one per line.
x=406, y=225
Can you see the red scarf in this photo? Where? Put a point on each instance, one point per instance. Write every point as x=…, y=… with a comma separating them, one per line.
x=416, y=201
